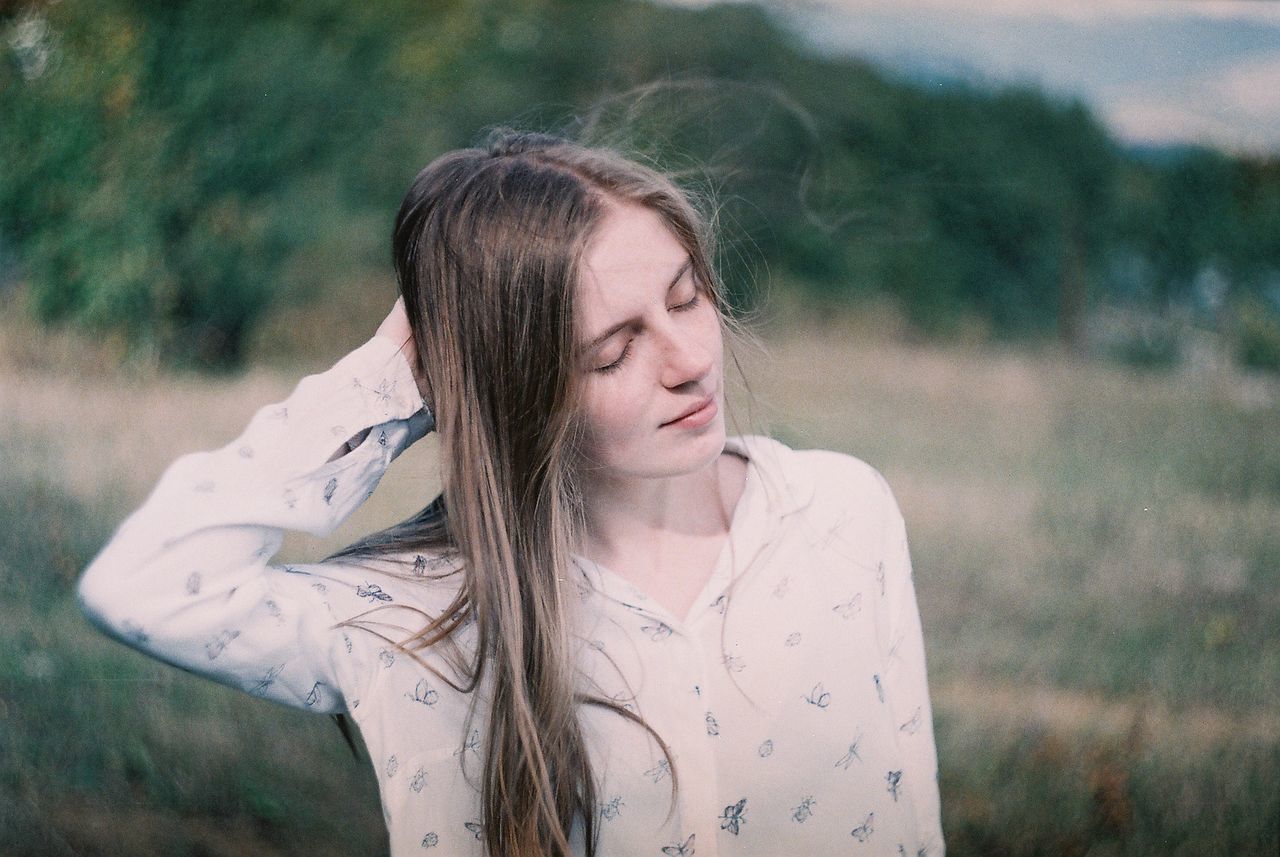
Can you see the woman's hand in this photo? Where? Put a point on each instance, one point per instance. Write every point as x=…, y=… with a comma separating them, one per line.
x=396, y=328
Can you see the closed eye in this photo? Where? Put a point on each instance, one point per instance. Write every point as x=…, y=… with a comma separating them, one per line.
x=626, y=351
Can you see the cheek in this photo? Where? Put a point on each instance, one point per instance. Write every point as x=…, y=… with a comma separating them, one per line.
x=612, y=416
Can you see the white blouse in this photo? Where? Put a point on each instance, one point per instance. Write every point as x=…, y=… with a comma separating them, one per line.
x=793, y=696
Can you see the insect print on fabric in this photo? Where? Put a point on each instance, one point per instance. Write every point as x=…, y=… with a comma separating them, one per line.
x=273, y=610
x=792, y=639
x=657, y=632
x=382, y=438
x=386, y=657
x=734, y=816
x=424, y=693
x=879, y=687
x=268, y=679
x=912, y=726
x=290, y=498
x=280, y=413
x=893, y=779
x=659, y=772
x=780, y=591
x=215, y=647
x=208, y=486
x=836, y=532
x=848, y=758
x=314, y=696
x=880, y=576
x=346, y=641
x=381, y=393
x=720, y=604
x=804, y=811
x=193, y=583
x=431, y=840
x=330, y=488
x=373, y=592
x=680, y=849
x=863, y=831
x=819, y=696
x=765, y=749
x=713, y=728
x=419, y=565
x=393, y=765
x=611, y=810
x=733, y=663
x=849, y=609
x=472, y=743
x=419, y=780
x=245, y=452
x=476, y=829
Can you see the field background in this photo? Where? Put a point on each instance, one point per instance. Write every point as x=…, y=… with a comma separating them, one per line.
x=1061, y=348
x=1096, y=553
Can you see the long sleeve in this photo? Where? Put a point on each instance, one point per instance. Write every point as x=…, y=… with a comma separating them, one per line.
x=186, y=578
x=906, y=685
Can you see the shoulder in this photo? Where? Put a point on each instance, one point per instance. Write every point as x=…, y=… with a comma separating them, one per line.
x=820, y=479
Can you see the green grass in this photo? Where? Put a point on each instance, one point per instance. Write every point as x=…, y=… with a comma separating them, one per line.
x=1097, y=555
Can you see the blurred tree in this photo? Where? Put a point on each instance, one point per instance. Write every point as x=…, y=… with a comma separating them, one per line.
x=169, y=169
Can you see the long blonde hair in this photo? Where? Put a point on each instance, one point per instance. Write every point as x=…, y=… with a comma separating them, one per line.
x=487, y=246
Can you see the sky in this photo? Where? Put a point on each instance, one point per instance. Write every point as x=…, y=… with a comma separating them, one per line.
x=1156, y=72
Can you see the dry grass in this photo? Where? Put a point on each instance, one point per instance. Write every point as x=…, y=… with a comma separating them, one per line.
x=1096, y=553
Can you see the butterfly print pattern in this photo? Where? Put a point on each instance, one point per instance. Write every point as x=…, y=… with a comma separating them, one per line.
x=659, y=772
x=818, y=697
x=424, y=693
x=680, y=849
x=798, y=713
x=657, y=632
x=612, y=809
x=864, y=830
x=733, y=817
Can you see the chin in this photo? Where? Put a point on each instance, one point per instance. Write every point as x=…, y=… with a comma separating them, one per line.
x=693, y=453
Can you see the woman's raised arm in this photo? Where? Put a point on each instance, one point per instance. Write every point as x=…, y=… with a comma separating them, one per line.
x=186, y=578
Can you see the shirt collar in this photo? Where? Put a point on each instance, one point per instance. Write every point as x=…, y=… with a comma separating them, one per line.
x=775, y=488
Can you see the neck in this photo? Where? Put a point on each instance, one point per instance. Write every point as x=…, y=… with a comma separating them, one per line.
x=636, y=521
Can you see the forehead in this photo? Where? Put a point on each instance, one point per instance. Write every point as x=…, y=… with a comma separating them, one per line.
x=628, y=262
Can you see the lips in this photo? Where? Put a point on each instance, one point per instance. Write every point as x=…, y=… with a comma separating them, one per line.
x=697, y=406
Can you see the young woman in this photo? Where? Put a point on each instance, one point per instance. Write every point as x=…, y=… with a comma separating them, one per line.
x=617, y=631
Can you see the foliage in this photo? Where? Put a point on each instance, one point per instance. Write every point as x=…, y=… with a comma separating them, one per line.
x=171, y=169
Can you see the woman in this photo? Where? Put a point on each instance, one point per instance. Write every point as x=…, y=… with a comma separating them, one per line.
x=616, y=631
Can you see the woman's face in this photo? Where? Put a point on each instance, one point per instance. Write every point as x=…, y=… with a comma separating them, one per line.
x=652, y=353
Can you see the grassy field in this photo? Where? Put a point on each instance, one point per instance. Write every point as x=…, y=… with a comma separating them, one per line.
x=1097, y=555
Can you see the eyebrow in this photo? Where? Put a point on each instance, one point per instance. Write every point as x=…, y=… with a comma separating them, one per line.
x=688, y=262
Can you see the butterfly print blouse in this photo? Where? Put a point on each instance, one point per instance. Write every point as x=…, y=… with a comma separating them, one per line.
x=793, y=695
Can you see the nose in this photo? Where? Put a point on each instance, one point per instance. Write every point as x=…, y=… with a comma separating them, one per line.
x=686, y=359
